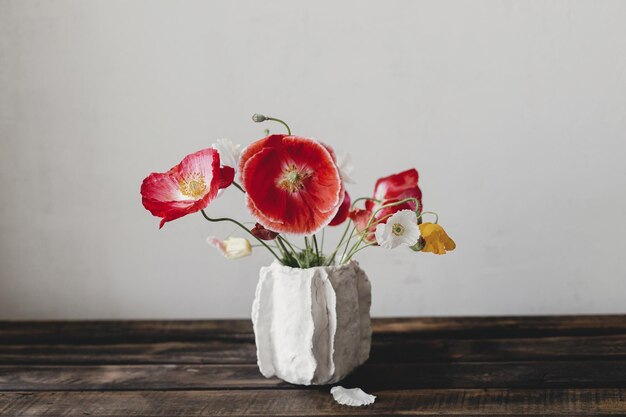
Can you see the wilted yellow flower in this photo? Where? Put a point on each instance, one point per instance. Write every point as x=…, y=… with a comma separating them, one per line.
x=436, y=240
x=231, y=248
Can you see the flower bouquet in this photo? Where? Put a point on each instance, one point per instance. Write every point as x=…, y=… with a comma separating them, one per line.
x=311, y=308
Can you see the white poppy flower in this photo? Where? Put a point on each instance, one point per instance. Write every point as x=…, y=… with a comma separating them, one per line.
x=401, y=229
x=354, y=397
x=344, y=164
x=231, y=248
x=229, y=152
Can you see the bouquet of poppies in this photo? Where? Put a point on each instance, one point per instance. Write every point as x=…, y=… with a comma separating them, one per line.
x=295, y=187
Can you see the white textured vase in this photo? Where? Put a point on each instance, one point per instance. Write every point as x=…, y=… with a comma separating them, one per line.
x=312, y=326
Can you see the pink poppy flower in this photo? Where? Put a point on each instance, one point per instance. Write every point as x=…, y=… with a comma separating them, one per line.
x=186, y=188
x=292, y=183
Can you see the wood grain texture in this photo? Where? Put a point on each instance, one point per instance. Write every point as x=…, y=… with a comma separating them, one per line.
x=316, y=402
x=385, y=349
x=561, y=365
x=370, y=376
x=17, y=332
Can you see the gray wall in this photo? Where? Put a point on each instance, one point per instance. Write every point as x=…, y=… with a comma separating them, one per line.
x=513, y=111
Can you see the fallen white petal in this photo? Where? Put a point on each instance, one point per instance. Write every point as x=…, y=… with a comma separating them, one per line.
x=354, y=397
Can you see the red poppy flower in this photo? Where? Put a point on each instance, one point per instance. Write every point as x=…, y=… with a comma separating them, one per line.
x=397, y=187
x=186, y=188
x=342, y=213
x=292, y=183
x=388, y=190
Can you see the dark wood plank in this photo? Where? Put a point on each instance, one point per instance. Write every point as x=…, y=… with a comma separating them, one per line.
x=427, y=402
x=134, y=377
x=562, y=374
x=112, y=331
x=17, y=332
x=390, y=349
x=385, y=349
x=507, y=327
x=370, y=376
x=217, y=351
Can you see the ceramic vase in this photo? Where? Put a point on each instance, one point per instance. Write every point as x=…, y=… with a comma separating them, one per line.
x=312, y=326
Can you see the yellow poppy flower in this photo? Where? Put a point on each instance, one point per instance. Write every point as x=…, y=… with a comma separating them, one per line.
x=436, y=240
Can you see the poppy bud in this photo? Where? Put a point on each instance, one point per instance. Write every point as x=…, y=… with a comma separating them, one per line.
x=258, y=118
x=263, y=233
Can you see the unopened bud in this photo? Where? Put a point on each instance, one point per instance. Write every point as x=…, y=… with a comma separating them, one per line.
x=258, y=118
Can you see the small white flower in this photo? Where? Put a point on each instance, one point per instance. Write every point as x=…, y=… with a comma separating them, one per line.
x=354, y=397
x=401, y=229
x=344, y=164
x=231, y=248
x=229, y=152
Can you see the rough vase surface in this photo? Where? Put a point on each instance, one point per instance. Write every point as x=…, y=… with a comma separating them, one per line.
x=312, y=326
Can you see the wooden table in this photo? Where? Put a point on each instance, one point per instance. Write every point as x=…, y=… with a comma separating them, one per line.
x=419, y=366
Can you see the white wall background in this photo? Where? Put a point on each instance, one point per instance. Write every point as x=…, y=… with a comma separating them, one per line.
x=513, y=111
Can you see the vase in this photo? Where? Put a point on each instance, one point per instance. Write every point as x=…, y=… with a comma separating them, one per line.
x=312, y=326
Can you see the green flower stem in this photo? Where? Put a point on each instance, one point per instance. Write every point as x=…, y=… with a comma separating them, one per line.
x=262, y=246
x=360, y=249
x=282, y=251
x=307, y=251
x=317, y=251
x=331, y=258
x=292, y=255
x=291, y=245
x=348, y=243
x=239, y=186
x=281, y=122
x=363, y=199
x=223, y=219
x=433, y=213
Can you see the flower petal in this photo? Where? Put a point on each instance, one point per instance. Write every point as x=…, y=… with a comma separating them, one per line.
x=261, y=174
x=361, y=217
x=393, y=185
x=186, y=188
x=354, y=397
x=206, y=163
x=160, y=186
x=344, y=163
x=229, y=152
x=227, y=176
x=217, y=243
x=237, y=247
x=250, y=150
x=342, y=213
